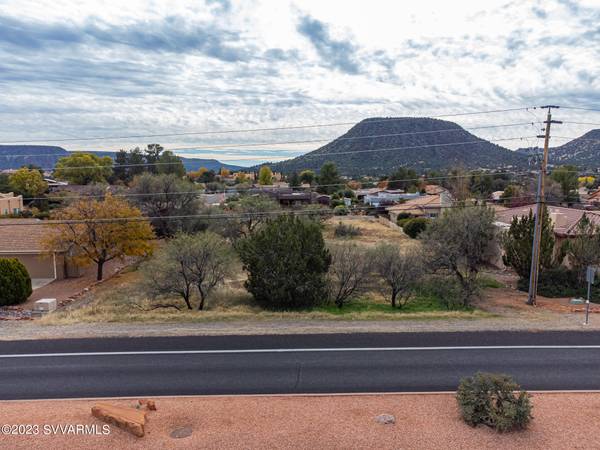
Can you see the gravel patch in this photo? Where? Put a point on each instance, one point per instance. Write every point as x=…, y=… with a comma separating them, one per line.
x=325, y=422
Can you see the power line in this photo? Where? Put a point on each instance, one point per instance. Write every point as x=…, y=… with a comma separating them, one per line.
x=312, y=154
x=580, y=108
x=252, y=130
x=266, y=190
x=224, y=216
x=259, y=144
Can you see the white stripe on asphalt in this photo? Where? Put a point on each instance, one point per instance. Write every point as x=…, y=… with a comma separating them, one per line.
x=305, y=350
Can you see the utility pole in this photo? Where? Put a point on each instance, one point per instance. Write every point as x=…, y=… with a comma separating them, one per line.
x=537, y=235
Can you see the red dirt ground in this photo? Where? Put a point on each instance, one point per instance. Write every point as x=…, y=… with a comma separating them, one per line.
x=323, y=422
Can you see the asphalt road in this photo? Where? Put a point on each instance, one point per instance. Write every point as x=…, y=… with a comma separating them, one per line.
x=341, y=363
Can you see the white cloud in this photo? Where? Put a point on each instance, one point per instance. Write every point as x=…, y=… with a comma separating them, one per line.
x=76, y=69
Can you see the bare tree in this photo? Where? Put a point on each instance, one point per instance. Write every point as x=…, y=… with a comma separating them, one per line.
x=168, y=272
x=200, y=260
x=399, y=269
x=348, y=270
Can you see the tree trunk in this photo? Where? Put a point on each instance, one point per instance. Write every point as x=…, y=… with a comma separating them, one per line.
x=100, y=268
x=394, y=294
x=202, y=297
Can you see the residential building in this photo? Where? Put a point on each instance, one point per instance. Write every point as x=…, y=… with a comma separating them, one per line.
x=389, y=197
x=10, y=204
x=429, y=206
x=23, y=239
x=564, y=223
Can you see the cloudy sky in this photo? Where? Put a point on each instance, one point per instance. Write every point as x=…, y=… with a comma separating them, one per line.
x=72, y=69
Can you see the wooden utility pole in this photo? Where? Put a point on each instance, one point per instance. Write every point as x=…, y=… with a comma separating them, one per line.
x=537, y=235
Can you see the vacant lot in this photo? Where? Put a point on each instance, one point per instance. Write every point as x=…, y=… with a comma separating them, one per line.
x=121, y=299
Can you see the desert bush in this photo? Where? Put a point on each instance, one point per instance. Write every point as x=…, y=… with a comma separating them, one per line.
x=340, y=210
x=561, y=282
x=414, y=227
x=342, y=230
x=459, y=242
x=402, y=218
x=15, y=283
x=286, y=261
x=348, y=270
x=399, y=271
x=493, y=400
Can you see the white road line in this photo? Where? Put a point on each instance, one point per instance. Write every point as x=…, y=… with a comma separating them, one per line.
x=304, y=350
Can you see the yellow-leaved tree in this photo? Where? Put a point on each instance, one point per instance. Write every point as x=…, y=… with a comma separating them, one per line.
x=98, y=231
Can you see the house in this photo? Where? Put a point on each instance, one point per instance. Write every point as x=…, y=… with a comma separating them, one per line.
x=594, y=197
x=429, y=206
x=388, y=197
x=10, y=204
x=564, y=221
x=496, y=196
x=23, y=239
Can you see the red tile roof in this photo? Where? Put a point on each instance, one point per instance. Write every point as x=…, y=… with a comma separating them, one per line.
x=565, y=220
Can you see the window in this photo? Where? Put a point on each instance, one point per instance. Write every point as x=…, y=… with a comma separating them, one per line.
x=5, y=211
x=15, y=211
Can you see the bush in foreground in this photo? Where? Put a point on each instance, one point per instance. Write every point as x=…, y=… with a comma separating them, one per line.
x=15, y=283
x=493, y=400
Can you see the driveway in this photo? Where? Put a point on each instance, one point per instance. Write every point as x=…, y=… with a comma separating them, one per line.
x=37, y=283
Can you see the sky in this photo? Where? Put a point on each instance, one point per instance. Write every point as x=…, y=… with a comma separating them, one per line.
x=75, y=69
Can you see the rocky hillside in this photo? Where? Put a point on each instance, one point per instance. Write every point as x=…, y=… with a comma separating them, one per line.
x=376, y=146
x=583, y=152
x=15, y=156
x=45, y=156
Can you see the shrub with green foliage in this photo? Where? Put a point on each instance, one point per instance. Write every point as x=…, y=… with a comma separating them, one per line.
x=403, y=216
x=343, y=230
x=15, y=283
x=561, y=282
x=518, y=240
x=340, y=210
x=493, y=400
x=414, y=227
x=287, y=263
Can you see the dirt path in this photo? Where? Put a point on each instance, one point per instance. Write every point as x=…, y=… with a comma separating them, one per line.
x=324, y=422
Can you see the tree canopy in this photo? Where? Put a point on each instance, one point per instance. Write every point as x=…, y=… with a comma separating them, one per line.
x=84, y=168
x=94, y=234
x=27, y=182
x=265, y=176
x=329, y=179
x=286, y=261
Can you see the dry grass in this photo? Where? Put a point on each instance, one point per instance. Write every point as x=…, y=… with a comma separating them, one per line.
x=373, y=232
x=120, y=300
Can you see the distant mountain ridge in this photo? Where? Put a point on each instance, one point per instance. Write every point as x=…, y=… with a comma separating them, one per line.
x=46, y=156
x=378, y=145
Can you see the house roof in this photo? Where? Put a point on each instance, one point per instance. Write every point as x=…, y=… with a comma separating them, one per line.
x=433, y=189
x=564, y=220
x=419, y=204
x=15, y=237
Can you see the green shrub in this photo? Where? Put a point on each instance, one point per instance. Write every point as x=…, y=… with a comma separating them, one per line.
x=343, y=230
x=402, y=222
x=287, y=262
x=402, y=217
x=445, y=289
x=15, y=283
x=493, y=400
x=414, y=227
x=561, y=282
x=340, y=210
